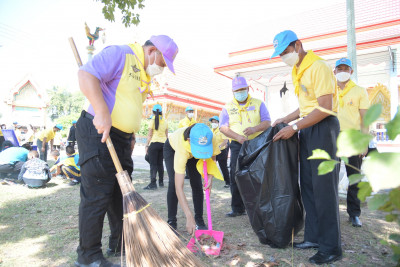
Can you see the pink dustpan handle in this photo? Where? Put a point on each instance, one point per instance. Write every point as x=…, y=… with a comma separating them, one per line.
x=207, y=195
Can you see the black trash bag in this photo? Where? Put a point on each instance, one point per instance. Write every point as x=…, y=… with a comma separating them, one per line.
x=267, y=178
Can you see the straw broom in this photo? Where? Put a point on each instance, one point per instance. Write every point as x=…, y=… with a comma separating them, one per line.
x=149, y=240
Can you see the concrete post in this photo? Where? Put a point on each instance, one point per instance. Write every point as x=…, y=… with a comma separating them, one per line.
x=351, y=38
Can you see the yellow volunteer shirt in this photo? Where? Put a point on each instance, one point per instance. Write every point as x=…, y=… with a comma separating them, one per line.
x=219, y=137
x=182, y=150
x=186, y=122
x=244, y=116
x=318, y=80
x=158, y=135
x=1, y=133
x=48, y=133
x=349, y=115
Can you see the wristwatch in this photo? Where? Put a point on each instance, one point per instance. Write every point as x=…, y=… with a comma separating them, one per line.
x=295, y=128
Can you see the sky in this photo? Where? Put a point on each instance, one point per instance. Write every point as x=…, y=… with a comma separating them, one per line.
x=34, y=34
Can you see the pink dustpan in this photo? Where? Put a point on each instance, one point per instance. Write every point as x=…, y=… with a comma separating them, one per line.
x=218, y=236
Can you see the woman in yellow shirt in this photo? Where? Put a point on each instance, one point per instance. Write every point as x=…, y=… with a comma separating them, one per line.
x=182, y=150
x=158, y=134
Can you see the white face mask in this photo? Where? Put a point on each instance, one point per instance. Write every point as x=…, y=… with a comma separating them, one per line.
x=153, y=69
x=291, y=59
x=343, y=76
x=190, y=115
x=214, y=125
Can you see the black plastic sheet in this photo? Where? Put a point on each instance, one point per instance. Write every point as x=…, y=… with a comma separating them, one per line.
x=267, y=178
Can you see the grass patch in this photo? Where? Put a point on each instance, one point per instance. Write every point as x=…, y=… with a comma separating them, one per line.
x=39, y=227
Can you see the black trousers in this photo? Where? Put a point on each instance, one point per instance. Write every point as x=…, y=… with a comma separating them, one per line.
x=237, y=202
x=353, y=203
x=320, y=192
x=195, y=183
x=223, y=164
x=100, y=191
x=155, y=152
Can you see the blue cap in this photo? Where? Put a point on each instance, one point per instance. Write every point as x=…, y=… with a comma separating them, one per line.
x=201, y=141
x=158, y=106
x=344, y=61
x=239, y=83
x=283, y=40
x=214, y=118
x=74, y=121
x=59, y=126
x=189, y=108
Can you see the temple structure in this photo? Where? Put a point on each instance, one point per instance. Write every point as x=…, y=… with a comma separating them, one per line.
x=324, y=32
x=25, y=103
x=193, y=86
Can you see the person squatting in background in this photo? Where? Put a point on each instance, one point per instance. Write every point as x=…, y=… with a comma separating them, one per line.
x=158, y=134
x=69, y=166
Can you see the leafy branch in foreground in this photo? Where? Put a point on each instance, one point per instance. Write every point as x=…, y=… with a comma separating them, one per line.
x=381, y=169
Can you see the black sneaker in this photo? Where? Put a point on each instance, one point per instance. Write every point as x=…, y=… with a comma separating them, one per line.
x=151, y=187
x=200, y=225
x=98, y=263
x=227, y=186
x=161, y=184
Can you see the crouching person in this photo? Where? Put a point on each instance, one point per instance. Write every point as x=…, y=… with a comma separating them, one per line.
x=182, y=150
x=35, y=172
x=69, y=166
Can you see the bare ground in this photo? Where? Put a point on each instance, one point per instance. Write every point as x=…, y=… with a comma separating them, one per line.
x=39, y=227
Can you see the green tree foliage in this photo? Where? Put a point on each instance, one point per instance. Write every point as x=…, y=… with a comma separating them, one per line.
x=65, y=107
x=381, y=169
x=64, y=103
x=127, y=8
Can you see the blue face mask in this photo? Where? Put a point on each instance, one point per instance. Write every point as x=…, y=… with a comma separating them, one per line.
x=241, y=95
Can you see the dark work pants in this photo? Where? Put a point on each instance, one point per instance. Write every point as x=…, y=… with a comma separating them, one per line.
x=223, y=164
x=11, y=170
x=195, y=183
x=42, y=155
x=237, y=202
x=155, y=152
x=353, y=203
x=320, y=192
x=100, y=191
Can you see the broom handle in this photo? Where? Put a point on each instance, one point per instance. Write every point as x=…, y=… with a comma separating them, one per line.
x=75, y=51
x=109, y=142
x=114, y=156
x=207, y=196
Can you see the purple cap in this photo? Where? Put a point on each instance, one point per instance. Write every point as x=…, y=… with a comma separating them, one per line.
x=167, y=47
x=239, y=83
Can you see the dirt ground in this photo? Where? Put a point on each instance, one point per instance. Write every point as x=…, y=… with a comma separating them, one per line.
x=39, y=227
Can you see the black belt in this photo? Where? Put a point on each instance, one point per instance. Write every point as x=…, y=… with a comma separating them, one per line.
x=113, y=129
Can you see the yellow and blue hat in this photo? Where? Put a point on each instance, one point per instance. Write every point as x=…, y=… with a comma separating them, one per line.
x=344, y=61
x=201, y=141
x=214, y=118
x=157, y=106
x=283, y=40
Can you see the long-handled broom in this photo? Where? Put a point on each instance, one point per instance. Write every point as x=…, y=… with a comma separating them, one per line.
x=149, y=240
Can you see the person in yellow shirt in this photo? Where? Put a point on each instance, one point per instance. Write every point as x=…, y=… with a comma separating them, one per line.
x=189, y=120
x=224, y=147
x=44, y=137
x=244, y=118
x=158, y=134
x=353, y=103
x=182, y=150
x=317, y=93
